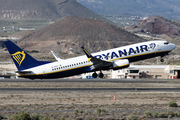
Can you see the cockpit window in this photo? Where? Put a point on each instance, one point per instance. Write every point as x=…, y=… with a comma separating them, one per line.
x=166, y=43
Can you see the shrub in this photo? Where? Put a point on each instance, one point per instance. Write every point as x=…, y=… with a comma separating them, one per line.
x=34, y=51
x=172, y=104
x=98, y=111
x=103, y=110
x=75, y=112
x=45, y=118
x=177, y=114
x=132, y=117
x=80, y=111
x=170, y=113
x=162, y=115
x=148, y=114
x=63, y=118
x=169, y=116
x=35, y=117
x=154, y=114
x=22, y=116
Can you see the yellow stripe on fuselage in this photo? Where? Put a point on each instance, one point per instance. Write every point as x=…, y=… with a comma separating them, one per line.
x=92, y=64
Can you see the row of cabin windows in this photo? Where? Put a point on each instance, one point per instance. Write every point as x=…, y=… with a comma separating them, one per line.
x=69, y=65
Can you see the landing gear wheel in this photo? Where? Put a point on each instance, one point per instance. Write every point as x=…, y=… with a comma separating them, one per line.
x=101, y=75
x=94, y=75
x=162, y=60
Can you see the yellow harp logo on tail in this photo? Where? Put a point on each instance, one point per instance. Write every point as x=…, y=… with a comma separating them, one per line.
x=19, y=57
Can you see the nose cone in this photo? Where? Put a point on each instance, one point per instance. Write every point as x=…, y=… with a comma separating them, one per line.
x=173, y=46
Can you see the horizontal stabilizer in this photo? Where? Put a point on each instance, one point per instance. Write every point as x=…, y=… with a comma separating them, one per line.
x=23, y=72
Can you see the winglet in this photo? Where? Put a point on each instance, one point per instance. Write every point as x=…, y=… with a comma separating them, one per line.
x=56, y=56
x=87, y=54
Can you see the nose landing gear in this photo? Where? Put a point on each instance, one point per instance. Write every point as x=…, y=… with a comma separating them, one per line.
x=162, y=60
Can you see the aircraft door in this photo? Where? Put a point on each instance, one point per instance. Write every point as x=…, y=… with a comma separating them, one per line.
x=44, y=72
x=159, y=47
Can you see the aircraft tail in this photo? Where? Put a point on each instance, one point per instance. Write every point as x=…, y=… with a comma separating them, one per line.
x=22, y=59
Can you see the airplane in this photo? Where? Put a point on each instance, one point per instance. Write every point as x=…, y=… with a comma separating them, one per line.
x=116, y=58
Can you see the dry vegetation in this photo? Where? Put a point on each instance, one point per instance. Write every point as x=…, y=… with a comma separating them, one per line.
x=85, y=104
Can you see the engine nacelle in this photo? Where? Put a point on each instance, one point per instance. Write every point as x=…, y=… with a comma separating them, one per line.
x=119, y=64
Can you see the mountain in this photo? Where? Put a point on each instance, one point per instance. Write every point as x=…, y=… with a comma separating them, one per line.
x=44, y=9
x=70, y=33
x=166, y=8
x=156, y=25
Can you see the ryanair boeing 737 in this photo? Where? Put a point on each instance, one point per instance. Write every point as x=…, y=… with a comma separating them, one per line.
x=115, y=59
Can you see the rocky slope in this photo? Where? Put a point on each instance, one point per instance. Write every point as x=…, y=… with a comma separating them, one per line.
x=155, y=25
x=70, y=33
x=44, y=9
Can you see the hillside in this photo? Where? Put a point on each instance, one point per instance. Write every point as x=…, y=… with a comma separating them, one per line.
x=44, y=9
x=156, y=25
x=166, y=8
x=73, y=32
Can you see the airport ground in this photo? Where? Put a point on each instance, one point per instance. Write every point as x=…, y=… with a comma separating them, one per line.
x=59, y=104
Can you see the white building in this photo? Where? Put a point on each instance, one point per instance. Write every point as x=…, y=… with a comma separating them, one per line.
x=141, y=71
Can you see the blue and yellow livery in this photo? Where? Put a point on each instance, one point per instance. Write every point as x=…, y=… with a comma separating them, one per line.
x=115, y=59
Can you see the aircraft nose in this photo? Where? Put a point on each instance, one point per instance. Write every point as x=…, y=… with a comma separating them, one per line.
x=173, y=46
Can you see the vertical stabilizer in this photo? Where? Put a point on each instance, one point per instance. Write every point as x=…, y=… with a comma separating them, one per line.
x=21, y=59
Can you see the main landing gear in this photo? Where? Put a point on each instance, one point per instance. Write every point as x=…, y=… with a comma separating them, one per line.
x=162, y=60
x=95, y=75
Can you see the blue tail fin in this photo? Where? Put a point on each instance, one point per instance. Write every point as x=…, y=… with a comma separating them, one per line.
x=22, y=59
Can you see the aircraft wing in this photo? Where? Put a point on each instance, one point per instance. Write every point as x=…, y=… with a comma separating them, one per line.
x=97, y=63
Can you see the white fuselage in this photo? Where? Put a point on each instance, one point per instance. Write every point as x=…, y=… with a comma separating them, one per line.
x=77, y=65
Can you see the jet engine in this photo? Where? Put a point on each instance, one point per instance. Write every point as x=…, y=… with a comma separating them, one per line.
x=119, y=64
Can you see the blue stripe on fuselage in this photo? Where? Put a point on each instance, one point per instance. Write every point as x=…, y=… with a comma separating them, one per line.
x=80, y=70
